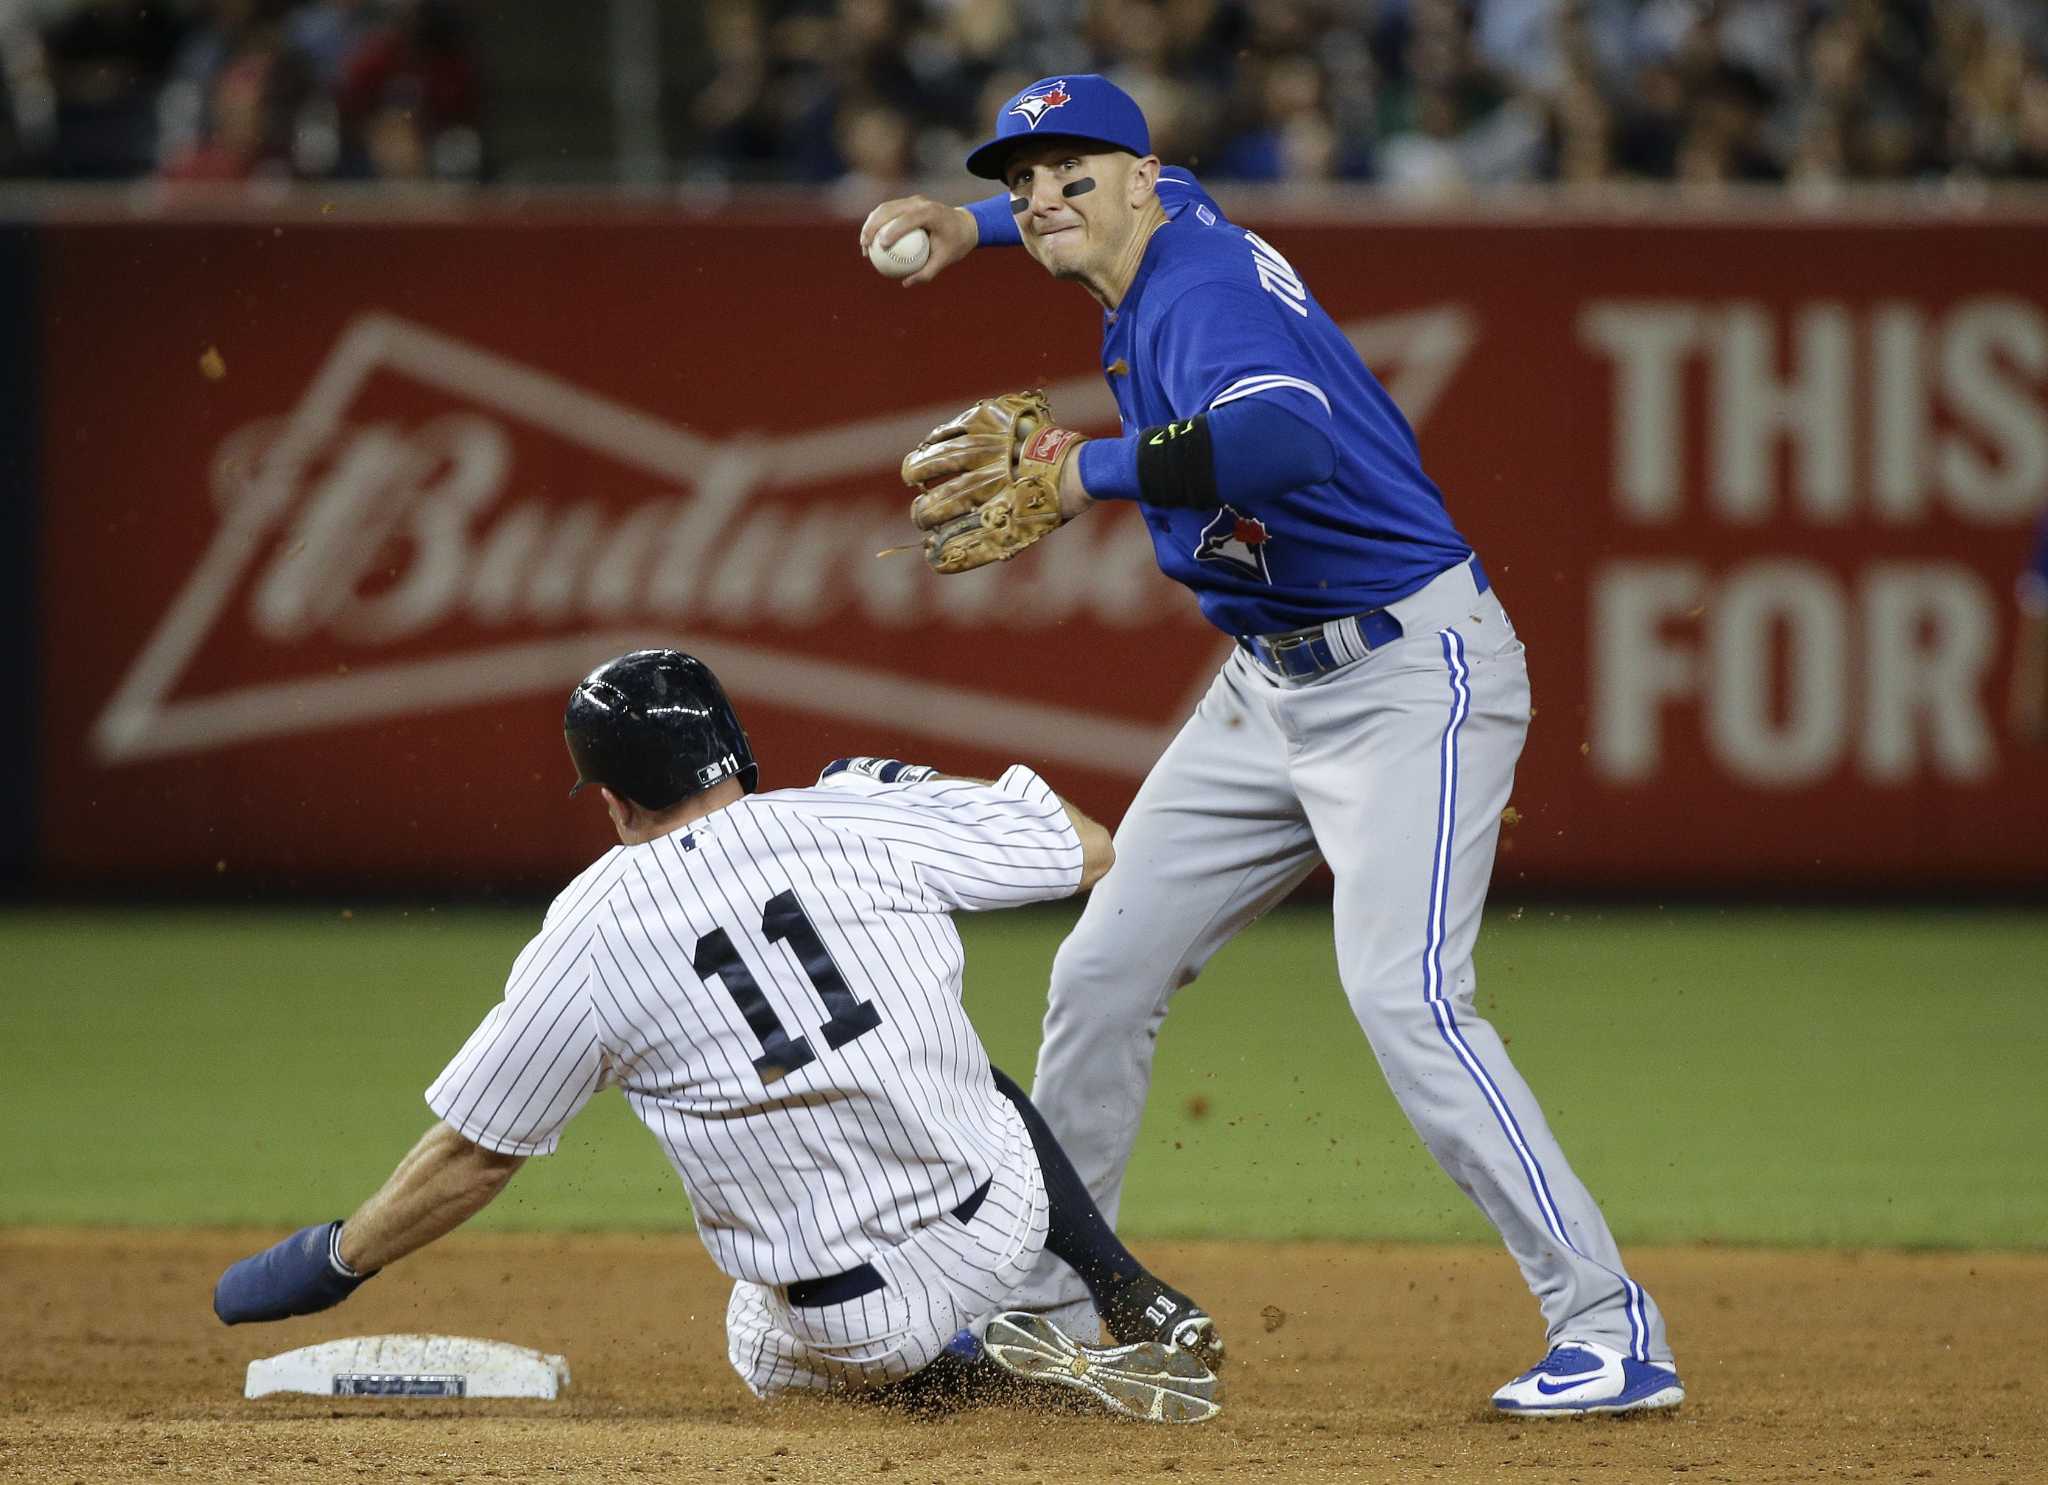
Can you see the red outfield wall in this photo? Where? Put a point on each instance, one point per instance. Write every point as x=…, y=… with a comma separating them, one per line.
x=1755, y=495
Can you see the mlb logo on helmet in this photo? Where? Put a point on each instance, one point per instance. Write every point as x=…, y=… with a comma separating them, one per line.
x=1084, y=107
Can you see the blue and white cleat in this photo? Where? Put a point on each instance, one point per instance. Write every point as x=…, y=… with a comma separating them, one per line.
x=1581, y=1377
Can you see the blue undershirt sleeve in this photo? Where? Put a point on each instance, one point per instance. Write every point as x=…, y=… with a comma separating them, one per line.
x=995, y=221
x=1259, y=449
x=1109, y=467
x=1264, y=449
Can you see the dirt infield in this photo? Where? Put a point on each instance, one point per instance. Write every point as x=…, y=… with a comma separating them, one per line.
x=1349, y=1362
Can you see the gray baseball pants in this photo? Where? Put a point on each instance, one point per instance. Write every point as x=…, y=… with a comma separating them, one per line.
x=1394, y=769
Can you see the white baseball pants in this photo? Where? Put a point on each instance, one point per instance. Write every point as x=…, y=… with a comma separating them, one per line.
x=946, y=1275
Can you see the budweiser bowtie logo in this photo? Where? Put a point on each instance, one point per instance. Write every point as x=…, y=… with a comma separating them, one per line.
x=393, y=514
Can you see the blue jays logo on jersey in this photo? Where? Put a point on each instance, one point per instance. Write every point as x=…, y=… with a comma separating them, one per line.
x=1237, y=541
x=1035, y=106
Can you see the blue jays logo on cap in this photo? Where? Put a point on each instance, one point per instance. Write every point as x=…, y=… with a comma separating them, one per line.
x=1040, y=100
x=1079, y=106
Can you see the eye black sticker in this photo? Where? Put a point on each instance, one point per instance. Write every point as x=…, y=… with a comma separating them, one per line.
x=1080, y=187
x=1018, y=206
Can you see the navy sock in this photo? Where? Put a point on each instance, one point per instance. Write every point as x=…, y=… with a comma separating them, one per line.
x=1076, y=1230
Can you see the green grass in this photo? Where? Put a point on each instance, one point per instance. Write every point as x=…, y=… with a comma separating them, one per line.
x=1742, y=1076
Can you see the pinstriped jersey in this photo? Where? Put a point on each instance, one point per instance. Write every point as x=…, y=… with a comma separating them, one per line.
x=776, y=988
x=1215, y=314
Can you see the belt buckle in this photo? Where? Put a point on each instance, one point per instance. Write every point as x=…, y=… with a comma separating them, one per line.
x=1277, y=650
x=1286, y=645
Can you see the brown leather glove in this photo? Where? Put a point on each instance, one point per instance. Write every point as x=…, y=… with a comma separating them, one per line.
x=990, y=480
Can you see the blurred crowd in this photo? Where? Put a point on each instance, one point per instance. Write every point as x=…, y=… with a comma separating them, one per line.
x=1431, y=97
x=1428, y=97
x=228, y=90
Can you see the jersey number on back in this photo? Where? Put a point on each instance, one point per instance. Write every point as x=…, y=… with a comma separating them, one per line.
x=1277, y=277
x=783, y=921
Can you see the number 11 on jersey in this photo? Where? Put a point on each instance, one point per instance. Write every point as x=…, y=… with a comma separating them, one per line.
x=783, y=920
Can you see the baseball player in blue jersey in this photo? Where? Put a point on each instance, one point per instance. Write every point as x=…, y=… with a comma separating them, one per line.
x=1370, y=716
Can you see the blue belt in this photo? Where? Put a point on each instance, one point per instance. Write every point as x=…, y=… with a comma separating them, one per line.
x=862, y=1278
x=1311, y=651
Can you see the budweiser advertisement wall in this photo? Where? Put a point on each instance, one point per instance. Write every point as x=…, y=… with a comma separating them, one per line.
x=329, y=514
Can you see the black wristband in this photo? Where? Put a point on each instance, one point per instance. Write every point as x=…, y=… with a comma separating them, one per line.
x=1177, y=465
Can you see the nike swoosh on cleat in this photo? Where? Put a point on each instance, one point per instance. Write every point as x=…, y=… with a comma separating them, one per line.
x=1549, y=1391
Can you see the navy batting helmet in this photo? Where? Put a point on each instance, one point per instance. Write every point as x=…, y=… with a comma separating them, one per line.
x=655, y=727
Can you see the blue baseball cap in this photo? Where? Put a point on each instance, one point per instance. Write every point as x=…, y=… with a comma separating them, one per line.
x=1078, y=106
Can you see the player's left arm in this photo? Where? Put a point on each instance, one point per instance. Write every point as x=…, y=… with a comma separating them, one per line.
x=442, y=1182
x=527, y=1069
x=1251, y=425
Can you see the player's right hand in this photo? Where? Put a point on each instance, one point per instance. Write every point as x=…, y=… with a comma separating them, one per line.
x=951, y=229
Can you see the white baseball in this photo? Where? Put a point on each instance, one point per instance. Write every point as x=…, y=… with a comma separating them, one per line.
x=904, y=257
